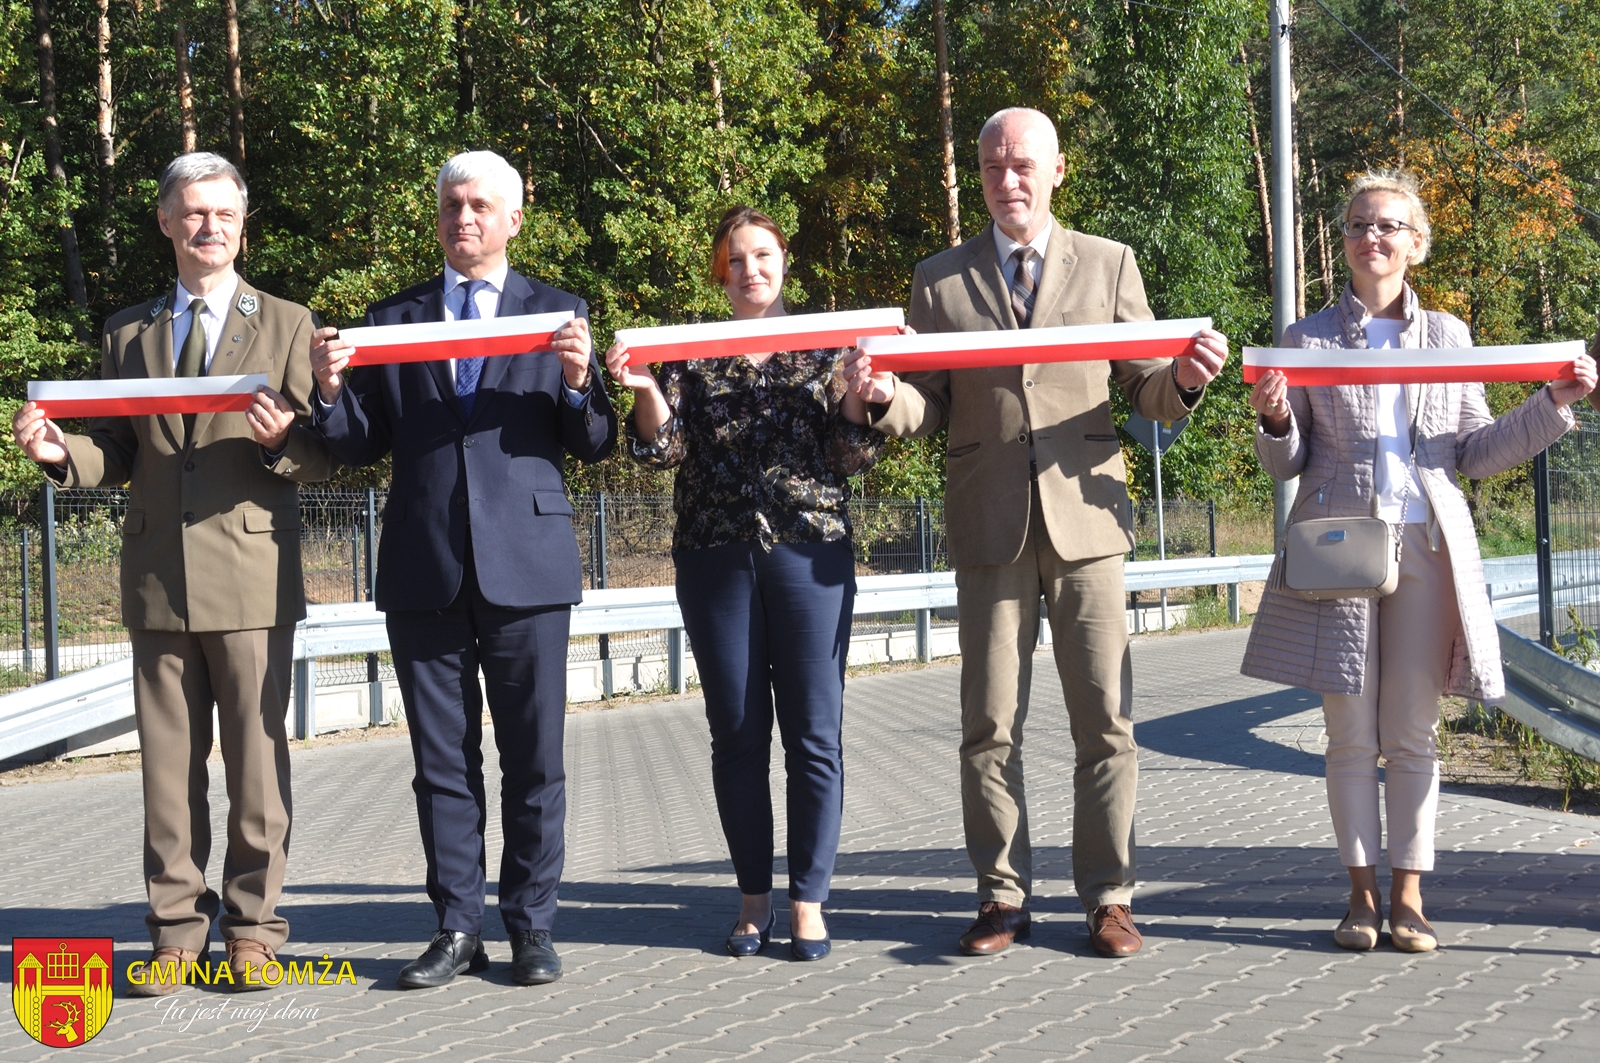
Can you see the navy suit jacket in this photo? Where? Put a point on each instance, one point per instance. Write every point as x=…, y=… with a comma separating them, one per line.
x=498, y=472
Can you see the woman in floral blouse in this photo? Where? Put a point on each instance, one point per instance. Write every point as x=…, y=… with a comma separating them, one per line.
x=763, y=445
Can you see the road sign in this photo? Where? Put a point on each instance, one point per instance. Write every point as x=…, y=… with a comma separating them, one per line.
x=1155, y=436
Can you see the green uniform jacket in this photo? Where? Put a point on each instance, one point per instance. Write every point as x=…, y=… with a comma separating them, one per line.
x=212, y=537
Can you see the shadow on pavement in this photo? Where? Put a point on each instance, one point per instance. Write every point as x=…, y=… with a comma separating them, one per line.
x=1219, y=894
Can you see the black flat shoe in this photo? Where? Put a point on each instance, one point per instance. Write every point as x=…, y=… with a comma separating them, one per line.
x=806, y=949
x=448, y=954
x=750, y=944
x=533, y=959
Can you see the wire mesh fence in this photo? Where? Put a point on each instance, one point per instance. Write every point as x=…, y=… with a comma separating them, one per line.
x=624, y=541
x=1575, y=526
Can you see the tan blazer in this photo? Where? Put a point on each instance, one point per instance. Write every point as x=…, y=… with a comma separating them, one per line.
x=1064, y=407
x=212, y=537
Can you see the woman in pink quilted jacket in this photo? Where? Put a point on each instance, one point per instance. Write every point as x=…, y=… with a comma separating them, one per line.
x=1382, y=663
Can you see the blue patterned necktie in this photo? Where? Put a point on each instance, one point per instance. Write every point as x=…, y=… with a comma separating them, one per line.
x=468, y=370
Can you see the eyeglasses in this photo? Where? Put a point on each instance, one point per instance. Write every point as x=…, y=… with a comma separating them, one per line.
x=1355, y=230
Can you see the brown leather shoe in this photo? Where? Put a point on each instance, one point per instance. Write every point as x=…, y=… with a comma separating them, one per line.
x=996, y=927
x=164, y=973
x=1111, y=931
x=246, y=957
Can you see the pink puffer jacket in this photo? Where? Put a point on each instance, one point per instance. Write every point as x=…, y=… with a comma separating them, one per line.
x=1332, y=445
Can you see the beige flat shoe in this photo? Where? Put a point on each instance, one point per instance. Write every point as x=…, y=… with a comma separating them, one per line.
x=1411, y=935
x=1355, y=935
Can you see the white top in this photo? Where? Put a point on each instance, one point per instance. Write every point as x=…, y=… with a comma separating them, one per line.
x=1007, y=247
x=1394, y=436
x=488, y=297
x=218, y=303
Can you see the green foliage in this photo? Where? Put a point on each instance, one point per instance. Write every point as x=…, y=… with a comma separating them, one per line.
x=635, y=124
x=1584, y=648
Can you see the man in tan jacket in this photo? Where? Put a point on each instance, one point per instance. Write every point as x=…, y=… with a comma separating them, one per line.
x=1036, y=505
x=211, y=582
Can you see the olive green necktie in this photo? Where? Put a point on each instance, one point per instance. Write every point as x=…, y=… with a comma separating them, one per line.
x=192, y=359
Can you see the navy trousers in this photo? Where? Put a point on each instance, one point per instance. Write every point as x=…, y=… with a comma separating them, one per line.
x=523, y=656
x=770, y=632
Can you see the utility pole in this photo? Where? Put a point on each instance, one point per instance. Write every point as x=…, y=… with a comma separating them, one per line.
x=1283, y=227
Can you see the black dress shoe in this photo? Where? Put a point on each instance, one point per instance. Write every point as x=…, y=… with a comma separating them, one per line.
x=750, y=944
x=533, y=960
x=448, y=954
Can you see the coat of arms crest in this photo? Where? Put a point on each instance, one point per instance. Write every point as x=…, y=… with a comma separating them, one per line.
x=61, y=988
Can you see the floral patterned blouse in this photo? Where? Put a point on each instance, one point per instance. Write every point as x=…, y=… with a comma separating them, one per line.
x=762, y=451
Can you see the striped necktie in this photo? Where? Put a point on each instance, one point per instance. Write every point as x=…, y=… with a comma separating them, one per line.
x=1022, y=287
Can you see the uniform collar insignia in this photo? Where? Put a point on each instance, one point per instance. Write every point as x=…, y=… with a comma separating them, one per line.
x=155, y=311
x=248, y=304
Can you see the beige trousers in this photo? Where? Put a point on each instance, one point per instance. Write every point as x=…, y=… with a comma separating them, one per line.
x=1396, y=716
x=177, y=677
x=999, y=609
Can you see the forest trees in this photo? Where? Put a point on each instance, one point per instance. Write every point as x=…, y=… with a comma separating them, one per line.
x=635, y=124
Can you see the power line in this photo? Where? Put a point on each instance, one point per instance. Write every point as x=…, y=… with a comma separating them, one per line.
x=1458, y=123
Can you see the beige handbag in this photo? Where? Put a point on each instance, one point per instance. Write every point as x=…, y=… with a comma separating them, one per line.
x=1347, y=557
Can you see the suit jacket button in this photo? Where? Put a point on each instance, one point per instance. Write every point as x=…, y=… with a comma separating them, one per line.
x=459, y=500
x=188, y=466
x=1023, y=438
x=467, y=442
x=1027, y=383
x=188, y=518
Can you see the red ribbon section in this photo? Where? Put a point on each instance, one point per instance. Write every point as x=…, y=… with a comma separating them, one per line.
x=1117, y=341
x=57, y=409
x=728, y=339
x=145, y=397
x=1321, y=367
x=433, y=341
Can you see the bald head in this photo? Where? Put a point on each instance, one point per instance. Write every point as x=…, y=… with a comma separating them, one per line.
x=1021, y=162
x=1017, y=121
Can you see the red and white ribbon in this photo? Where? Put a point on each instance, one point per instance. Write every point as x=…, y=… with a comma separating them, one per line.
x=433, y=341
x=1316, y=367
x=763, y=335
x=144, y=397
x=1061, y=343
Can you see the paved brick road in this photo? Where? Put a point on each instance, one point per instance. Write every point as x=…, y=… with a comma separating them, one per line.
x=1240, y=886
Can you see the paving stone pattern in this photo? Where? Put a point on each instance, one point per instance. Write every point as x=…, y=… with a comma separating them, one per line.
x=1240, y=886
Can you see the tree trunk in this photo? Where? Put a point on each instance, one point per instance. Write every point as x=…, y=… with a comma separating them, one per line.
x=1325, y=260
x=466, y=84
x=230, y=11
x=105, y=137
x=1263, y=195
x=1324, y=253
x=724, y=181
x=952, y=208
x=72, y=263
x=1299, y=225
x=1400, y=89
x=180, y=46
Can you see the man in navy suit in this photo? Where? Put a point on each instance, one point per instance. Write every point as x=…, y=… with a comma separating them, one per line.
x=478, y=566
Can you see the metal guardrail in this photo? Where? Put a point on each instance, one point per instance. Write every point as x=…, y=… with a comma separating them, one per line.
x=1556, y=697
x=1514, y=583
x=40, y=715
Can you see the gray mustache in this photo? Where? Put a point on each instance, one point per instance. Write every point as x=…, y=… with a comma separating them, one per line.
x=207, y=241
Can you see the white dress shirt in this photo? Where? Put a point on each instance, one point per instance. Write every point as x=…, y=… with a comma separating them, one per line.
x=218, y=303
x=1394, y=437
x=1006, y=247
x=488, y=296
